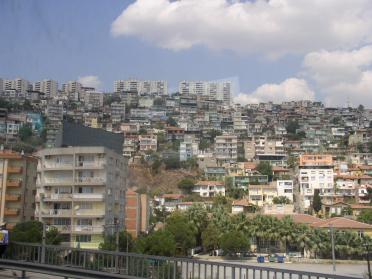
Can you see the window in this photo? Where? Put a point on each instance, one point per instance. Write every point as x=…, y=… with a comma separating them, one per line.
x=86, y=190
x=85, y=205
x=83, y=238
x=84, y=222
x=62, y=221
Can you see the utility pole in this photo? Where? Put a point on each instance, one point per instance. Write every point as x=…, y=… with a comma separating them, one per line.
x=333, y=248
x=368, y=261
x=43, y=243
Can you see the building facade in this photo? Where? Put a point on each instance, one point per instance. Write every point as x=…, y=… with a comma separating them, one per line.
x=142, y=87
x=81, y=191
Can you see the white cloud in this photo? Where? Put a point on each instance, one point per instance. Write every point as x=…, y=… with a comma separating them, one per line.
x=271, y=27
x=291, y=89
x=90, y=81
x=341, y=76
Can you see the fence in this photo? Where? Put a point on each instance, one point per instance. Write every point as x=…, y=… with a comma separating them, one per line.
x=131, y=265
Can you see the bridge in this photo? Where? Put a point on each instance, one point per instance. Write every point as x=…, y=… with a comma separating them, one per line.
x=66, y=262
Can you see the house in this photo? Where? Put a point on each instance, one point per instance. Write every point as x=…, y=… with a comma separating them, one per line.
x=285, y=189
x=209, y=188
x=277, y=209
x=262, y=194
x=345, y=224
x=168, y=201
x=242, y=206
x=332, y=209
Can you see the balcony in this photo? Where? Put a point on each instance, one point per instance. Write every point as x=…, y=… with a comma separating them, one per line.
x=90, y=164
x=11, y=212
x=90, y=212
x=58, y=212
x=58, y=166
x=57, y=197
x=57, y=181
x=88, y=229
x=13, y=183
x=87, y=196
x=90, y=180
x=14, y=169
x=62, y=228
x=12, y=198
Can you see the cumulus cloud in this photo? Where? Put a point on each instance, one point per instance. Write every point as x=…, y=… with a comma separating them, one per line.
x=90, y=81
x=291, y=89
x=341, y=76
x=270, y=27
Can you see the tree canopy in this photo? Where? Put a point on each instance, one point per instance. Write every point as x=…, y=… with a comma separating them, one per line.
x=32, y=232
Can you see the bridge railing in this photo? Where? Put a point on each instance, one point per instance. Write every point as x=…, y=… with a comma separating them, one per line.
x=151, y=267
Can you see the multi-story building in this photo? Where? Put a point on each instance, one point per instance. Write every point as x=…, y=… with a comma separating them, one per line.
x=18, y=84
x=208, y=189
x=54, y=113
x=1, y=85
x=285, y=189
x=137, y=213
x=71, y=86
x=147, y=142
x=264, y=149
x=142, y=87
x=48, y=87
x=225, y=148
x=262, y=194
x=117, y=112
x=215, y=90
x=315, y=172
x=81, y=191
x=17, y=187
x=188, y=148
x=93, y=100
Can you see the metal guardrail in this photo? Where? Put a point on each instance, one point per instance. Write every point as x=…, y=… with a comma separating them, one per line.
x=138, y=266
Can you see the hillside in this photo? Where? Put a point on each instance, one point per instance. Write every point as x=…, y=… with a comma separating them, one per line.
x=165, y=182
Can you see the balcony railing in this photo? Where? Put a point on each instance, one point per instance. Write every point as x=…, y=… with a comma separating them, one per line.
x=57, y=181
x=64, y=165
x=90, y=164
x=58, y=196
x=88, y=229
x=89, y=212
x=14, y=169
x=90, y=180
x=11, y=212
x=13, y=183
x=13, y=198
x=88, y=196
x=58, y=212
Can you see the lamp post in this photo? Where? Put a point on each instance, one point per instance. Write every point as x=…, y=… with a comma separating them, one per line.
x=333, y=247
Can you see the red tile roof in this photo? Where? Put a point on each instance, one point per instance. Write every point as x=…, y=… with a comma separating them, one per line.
x=298, y=218
x=341, y=223
x=243, y=202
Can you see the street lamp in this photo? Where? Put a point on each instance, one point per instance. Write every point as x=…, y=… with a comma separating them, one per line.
x=333, y=247
x=368, y=262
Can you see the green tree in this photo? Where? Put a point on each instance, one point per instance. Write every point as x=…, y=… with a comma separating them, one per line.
x=204, y=144
x=159, y=102
x=182, y=230
x=360, y=147
x=27, y=106
x=213, y=134
x=198, y=218
x=317, y=201
x=172, y=163
x=186, y=185
x=125, y=241
x=369, y=146
x=365, y=216
x=210, y=237
x=234, y=242
x=281, y=200
x=160, y=243
x=172, y=122
x=25, y=132
x=32, y=232
x=142, y=131
x=265, y=168
x=156, y=165
x=292, y=126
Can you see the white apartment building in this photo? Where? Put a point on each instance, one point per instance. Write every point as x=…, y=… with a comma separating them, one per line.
x=81, y=192
x=1, y=85
x=48, y=87
x=315, y=172
x=188, y=148
x=225, y=148
x=208, y=189
x=215, y=90
x=285, y=189
x=147, y=142
x=93, y=99
x=117, y=112
x=71, y=86
x=143, y=87
x=18, y=84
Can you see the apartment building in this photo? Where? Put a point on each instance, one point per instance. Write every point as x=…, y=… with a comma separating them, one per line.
x=315, y=172
x=208, y=189
x=285, y=189
x=147, y=142
x=215, y=90
x=72, y=86
x=81, y=191
x=265, y=149
x=54, y=113
x=142, y=87
x=93, y=99
x=225, y=149
x=117, y=112
x=17, y=187
x=262, y=194
x=18, y=84
x=48, y=87
x=188, y=148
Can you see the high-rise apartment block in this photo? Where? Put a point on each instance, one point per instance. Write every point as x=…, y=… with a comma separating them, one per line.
x=81, y=191
x=315, y=173
x=18, y=84
x=93, y=99
x=143, y=87
x=214, y=90
x=226, y=147
x=48, y=87
x=117, y=112
x=17, y=188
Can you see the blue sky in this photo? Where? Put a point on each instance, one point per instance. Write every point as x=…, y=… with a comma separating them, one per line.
x=65, y=40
